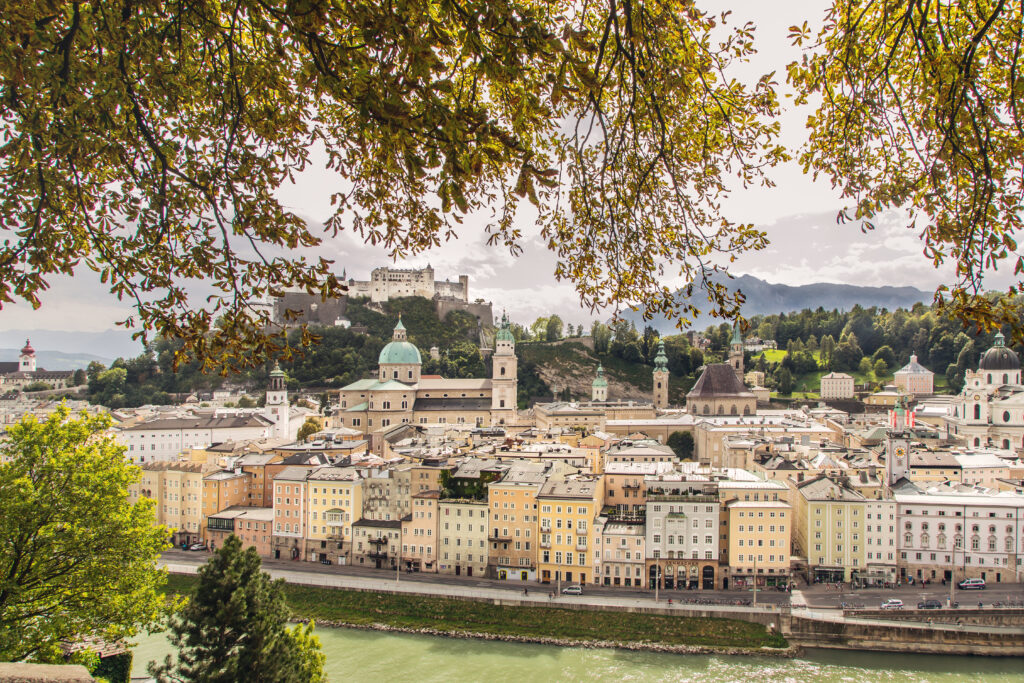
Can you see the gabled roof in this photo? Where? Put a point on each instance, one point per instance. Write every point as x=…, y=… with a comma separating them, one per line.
x=718, y=379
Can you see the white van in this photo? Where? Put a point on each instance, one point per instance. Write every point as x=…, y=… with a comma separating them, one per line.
x=972, y=584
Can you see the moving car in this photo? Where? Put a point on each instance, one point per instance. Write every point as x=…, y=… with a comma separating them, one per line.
x=573, y=590
x=892, y=603
x=929, y=604
x=969, y=584
x=197, y=546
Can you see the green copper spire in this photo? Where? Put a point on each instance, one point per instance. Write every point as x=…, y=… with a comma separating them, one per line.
x=504, y=332
x=736, y=335
x=661, y=360
x=600, y=381
x=399, y=326
x=1000, y=339
x=277, y=371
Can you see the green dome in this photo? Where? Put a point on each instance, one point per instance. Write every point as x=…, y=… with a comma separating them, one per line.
x=400, y=353
x=600, y=381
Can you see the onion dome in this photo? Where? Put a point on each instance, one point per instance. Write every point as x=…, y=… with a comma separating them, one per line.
x=661, y=360
x=600, y=381
x=504, y=333
x=999, y=357
x=28, y=350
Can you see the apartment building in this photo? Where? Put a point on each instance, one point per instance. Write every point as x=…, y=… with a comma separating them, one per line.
x=759, y=535
x=619, y=552
x=683, y=519
x=567, y=511
x=420, y=534
x=462, y=531
x=829, y=529
x=512, y=537
x=290, y=513
x=177, y=491
x=335, y=503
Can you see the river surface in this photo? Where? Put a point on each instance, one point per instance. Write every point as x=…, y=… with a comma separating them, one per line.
x=354, y=655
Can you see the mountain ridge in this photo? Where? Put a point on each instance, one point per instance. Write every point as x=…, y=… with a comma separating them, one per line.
x=766, y=298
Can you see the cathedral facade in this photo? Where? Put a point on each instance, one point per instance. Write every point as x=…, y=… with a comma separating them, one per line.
x=400, y=394
x=989, y=412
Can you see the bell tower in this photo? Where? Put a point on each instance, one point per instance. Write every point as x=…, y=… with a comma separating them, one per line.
x=277, y=408
x=504, y=379
x=660, y=377
x=736, y=352
x=897, y=447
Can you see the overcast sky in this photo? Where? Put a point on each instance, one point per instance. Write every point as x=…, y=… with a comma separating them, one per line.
x=798, y=215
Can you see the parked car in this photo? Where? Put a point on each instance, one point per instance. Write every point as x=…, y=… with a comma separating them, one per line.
x=929, y=604
x=197, y=546
x=573, y=590
x=972, y=584
x=892, y=603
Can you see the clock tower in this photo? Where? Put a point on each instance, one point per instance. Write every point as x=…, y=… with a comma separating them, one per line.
x=897, y=449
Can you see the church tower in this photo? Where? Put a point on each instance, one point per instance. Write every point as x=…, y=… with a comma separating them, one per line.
x=504, y=380
x=736, y=352
x=27, y=359
x=661, y=377
x=277, y=408
x=897, y=447
x=599, y=387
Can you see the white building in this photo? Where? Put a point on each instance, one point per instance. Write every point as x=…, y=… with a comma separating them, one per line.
x=957, y=532
x=167, y=438
x=990, y=409
x=390, y=283
x=836, y=385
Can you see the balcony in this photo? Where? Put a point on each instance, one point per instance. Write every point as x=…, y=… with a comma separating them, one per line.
x=581, y=546
x=545, y=545
x=499, y=538
x=634, y=485
x=378, y=541
x=674, y=498
x=375, y=555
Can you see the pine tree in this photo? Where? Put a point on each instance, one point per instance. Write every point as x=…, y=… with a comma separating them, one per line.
x=234, y=628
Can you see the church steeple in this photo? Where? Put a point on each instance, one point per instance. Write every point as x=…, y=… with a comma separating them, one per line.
x=660, y=377
x=736, y=351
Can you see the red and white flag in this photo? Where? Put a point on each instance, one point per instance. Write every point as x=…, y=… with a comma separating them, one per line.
x=892, y=419
x=910, y=419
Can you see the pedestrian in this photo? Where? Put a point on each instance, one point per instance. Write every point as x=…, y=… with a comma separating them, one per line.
x=526, y=591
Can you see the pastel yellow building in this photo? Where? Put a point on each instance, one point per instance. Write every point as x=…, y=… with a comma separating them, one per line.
x=335, y=502
x=759, y=536
x=419, y=533
x=177, y=490
x=567, y=512
x=462, y=529
x=829, y=529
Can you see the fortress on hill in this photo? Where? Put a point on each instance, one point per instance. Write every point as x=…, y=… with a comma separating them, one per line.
x=386, y=284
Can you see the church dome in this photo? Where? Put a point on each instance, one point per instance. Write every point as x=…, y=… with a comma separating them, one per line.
x=28, y=350
x=600, y=381
x=999, y=357
x=400, y=353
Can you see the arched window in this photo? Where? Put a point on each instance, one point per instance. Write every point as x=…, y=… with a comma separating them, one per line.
x=908, y=540
x=958, y=541
x=1005, y=378
x=924, y=540
x=977, y=411
x=990, y=378
x=721, y=409
x=746, y=410
x=975, y=543
x=733, y=411
x=977, y=441
x=503, y=370
x=1009, y=544
x=991, y=544
x=942, y=541
x=707, y=409
x=1006, y=443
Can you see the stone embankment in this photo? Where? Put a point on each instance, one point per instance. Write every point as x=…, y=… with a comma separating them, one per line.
x=790, y=651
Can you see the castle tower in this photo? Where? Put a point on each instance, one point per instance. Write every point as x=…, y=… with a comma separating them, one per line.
x=897, y=447
x=661, y=377
x=736, y=352
x=504, y=379
x=277, y=408
x=599, y=387
x=27, y=359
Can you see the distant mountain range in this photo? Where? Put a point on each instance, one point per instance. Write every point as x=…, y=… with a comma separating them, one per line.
x=66, y=350
x=765, y=298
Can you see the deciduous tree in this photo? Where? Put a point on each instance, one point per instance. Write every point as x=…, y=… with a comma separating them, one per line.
x=76, y=558
x=147, y=142
x=920, y=112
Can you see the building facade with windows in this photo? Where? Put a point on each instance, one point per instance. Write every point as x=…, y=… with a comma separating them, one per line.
x=759, y=535
x=682, y=545
x=462, y=532
x=400, y=394
x=567, y=512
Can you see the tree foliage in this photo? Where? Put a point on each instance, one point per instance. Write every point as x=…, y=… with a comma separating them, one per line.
x=76, y=559
x=146, y=142
x=235, y=628
x=920, y=111
x=681, y=444
x=308, y=429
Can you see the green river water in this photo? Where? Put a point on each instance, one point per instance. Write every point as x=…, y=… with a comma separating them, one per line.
x=354, y=655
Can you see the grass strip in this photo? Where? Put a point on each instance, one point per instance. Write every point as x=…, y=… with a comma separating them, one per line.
x=446, y=614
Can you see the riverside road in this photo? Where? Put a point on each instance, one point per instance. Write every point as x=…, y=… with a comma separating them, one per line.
x=812, y=597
